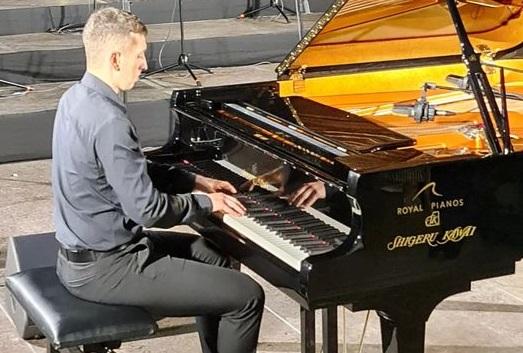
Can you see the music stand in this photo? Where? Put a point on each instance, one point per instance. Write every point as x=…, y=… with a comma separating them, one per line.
x=183, y=58
x=272, y=3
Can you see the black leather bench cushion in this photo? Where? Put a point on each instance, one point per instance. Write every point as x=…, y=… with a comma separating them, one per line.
x=69, y=321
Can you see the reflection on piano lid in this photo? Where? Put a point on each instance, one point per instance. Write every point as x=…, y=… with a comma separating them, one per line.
x=304, y=136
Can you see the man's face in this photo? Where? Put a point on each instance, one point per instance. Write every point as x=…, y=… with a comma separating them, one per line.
x=132, y=62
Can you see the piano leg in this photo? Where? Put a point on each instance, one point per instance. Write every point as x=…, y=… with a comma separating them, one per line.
x=330, y=329
x=399, y=337
x=308, y=331
x=404, y=312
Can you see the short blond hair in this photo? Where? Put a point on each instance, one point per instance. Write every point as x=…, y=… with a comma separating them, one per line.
x=109, y=26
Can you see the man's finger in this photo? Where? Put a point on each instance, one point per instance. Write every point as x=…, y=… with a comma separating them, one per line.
x=239, y=205
x=235, y=205
x=296, y=194
x=302, y=197
x=226, y=186
x=310, y=200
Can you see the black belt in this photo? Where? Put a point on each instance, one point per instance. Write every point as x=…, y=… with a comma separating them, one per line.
x=86, y=255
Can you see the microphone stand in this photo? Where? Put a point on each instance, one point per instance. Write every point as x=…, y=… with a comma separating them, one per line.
x=272, y=3
x=183, y=58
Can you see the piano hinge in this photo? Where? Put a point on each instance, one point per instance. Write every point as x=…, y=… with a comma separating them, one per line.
x=293, y=111
x=297, y=78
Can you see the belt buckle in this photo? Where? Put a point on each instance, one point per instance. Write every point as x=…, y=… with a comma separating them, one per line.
x=79, y=256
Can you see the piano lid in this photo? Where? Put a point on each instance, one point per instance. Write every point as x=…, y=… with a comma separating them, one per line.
x=355, y=32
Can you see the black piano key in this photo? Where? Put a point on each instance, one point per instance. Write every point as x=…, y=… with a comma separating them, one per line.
x=257, y=209
x=310, y=224
x=298, y=231
x=331, y=234
x=284, y=229
x=261, y=215
x=299, y=237
x=308, y=242
x=303, y=218
x=319, y=227
x=290, y=212
x=276, y=222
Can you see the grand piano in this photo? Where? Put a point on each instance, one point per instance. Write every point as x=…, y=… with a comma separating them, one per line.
x=409, y=114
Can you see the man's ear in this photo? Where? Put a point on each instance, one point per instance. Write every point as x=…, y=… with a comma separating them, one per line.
x=115, y=60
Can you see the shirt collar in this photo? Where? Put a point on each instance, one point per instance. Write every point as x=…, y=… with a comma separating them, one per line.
x=93, y=82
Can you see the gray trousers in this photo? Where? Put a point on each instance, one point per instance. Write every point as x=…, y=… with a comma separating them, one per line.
x=175, y=274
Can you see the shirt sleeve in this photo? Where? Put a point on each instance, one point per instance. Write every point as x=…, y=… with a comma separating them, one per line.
x=170, y=179
x=125, y=168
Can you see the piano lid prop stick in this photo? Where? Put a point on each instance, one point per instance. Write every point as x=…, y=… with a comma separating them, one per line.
x=480, y=86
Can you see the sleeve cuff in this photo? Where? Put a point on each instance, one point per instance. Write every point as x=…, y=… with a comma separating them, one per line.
x=182, y=181
x=204, y=203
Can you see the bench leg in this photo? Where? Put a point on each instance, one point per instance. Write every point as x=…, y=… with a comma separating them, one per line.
x=51, y=349
x=103, y=347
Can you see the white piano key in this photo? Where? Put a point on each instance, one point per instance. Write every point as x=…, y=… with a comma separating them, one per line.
x=328, y=220
x=267, y=240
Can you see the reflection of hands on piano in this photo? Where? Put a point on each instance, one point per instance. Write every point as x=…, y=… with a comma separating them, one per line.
x=274, y=178
x=307, y=194
x=210, y=185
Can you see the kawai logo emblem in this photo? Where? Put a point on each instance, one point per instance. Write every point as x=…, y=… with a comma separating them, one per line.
x=431, y=186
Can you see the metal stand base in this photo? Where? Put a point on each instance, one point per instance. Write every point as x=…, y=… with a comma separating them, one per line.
x=183, y=58
x=273, y=4
x=183, y=62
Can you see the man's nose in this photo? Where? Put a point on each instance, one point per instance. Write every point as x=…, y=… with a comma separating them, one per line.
x=144, y=66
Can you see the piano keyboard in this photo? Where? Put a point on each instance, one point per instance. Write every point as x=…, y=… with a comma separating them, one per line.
x=289, y=233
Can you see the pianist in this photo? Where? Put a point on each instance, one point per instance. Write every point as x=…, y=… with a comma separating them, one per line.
x=105, y=193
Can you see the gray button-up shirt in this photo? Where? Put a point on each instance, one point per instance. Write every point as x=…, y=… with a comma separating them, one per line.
x=104, y=189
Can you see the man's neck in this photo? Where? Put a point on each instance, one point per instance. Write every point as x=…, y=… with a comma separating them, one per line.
x=104, y=77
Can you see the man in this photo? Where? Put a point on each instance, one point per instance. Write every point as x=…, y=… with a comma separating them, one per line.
x=105, y=193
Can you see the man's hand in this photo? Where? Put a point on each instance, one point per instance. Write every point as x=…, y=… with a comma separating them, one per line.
x=217, y=191
x=226, y=204
x=307, y=194
x=210, y=185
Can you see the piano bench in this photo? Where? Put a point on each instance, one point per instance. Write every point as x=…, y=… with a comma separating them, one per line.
x=67, y=321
